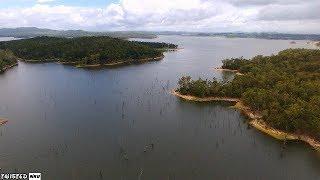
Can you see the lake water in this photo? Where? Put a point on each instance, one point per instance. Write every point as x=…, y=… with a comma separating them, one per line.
x=121, y=123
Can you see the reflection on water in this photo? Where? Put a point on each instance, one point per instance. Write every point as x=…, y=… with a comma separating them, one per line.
x=122, y=123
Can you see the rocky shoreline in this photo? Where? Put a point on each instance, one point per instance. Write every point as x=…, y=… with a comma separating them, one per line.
x=228, y=70
x=8, y=67
x=256, y=120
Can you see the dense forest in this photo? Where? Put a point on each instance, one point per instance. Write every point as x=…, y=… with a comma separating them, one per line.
x=7, y=59
x=158, y=45
x=83, y=50
x=285, y=88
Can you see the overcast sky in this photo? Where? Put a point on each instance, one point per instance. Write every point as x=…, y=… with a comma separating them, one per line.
x=292, y=16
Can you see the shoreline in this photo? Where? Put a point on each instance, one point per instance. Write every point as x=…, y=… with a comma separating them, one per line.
x=76, y=64
x=206, y=99
x=37, y=61
x=121, y=62
x=171, y=49
x=256, y=120
x=228, y=70
x=7, y=68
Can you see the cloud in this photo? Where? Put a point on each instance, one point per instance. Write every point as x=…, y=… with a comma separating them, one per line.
x=179, y=15
x=268, y=2
x=251, y=2
x=44, y=1
x=305, y=11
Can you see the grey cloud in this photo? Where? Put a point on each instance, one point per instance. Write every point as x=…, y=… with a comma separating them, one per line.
x=290, y=12
x=251, y=2
x=192, y=15
x=268, y=2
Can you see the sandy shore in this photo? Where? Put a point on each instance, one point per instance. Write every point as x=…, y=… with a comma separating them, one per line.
x=281, y=135
x=261, y=125
x=228, y=70
x=76, y=63
x=256, y=120
x=38, y=61
x=66, y=63
x=121, y=62
x=206, y=99
x=171, y=49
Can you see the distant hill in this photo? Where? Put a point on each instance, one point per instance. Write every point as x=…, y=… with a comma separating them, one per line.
x=29, y=32
x=284, y=36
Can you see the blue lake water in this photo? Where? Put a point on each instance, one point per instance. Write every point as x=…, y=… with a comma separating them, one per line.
x=121, y=123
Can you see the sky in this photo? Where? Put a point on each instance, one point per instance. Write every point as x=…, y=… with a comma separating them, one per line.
x=285, y=16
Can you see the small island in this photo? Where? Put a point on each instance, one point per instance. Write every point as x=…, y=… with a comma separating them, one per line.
x=279, y=93
x=86, y=52
x=7, y=60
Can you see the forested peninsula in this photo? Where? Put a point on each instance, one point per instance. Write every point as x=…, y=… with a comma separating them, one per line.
x=7, y=60
x=281, y=93
x=86, y=51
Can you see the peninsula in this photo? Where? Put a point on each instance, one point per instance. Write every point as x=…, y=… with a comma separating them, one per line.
x=7, y=60
x=86, y=51
x=279, y=93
